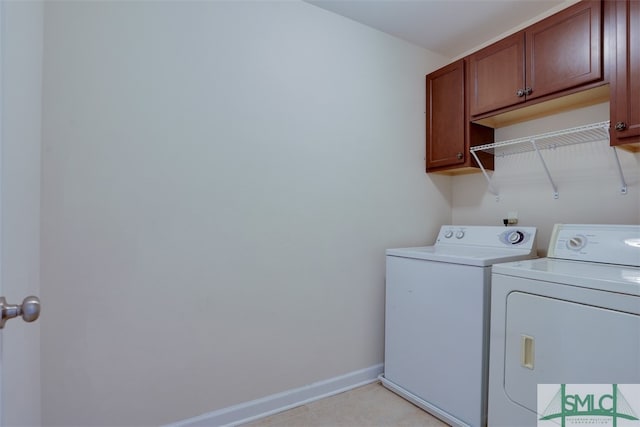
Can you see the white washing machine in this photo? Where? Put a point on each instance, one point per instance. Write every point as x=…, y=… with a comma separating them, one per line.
x=570, y=318
x=437, y=317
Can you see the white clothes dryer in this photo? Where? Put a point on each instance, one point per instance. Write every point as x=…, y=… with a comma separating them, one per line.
x=570, y=318
x=437, y=317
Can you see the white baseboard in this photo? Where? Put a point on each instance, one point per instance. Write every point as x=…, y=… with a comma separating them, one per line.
x=269, y=405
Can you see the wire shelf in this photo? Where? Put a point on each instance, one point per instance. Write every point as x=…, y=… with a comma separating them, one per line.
x=545, y=141
x=550, y=140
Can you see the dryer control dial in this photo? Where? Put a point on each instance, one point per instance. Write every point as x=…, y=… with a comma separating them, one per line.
x=460, y=234
x=576, y=242
x=448, y=234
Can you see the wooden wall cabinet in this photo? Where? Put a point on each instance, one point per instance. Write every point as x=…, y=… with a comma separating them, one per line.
x=449, y=131
x=559, y=53
x=625, y=74
x=562, y=62
x=496, y=75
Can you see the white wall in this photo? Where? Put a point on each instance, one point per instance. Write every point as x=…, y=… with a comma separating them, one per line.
x=586, y=175
x=220, y=181
x=21, y=75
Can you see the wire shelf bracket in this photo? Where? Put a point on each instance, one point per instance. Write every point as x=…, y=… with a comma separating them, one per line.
x=491, y=187
x=623, y=186
x=550, y=140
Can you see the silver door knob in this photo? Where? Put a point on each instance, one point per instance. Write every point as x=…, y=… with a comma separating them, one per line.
x=29, y=310
x=459, y=156
x=621, y=126
x=520, y=93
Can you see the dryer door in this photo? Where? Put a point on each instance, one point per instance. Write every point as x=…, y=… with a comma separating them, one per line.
x=552, y=341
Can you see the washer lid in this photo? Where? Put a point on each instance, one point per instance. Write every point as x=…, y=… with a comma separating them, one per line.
x=607, y=277
x=476, y=256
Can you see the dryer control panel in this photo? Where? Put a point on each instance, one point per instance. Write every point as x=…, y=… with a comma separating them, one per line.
x=611, y=244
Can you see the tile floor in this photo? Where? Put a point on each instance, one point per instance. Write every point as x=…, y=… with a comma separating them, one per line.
x=369, y=406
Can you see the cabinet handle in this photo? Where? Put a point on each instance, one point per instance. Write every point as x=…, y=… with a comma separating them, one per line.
x=527, y=91
x=459, y=156
x=621, y=126
x=520, y=93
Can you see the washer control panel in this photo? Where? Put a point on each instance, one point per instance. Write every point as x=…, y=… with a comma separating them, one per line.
x=488, y=236
x=611, y=244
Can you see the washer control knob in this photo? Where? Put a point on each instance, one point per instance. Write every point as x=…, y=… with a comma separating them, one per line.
x=448, y=234
x=460, y=234
x=516, y=237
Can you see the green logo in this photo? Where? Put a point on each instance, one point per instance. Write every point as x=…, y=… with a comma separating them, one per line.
x=584, y=407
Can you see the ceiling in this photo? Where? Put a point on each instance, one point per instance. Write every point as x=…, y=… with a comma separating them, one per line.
x=449, y=27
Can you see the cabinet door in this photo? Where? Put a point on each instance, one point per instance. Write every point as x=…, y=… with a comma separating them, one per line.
x=625, y=85
x=564, y=50
x=496, y=73
x=446, y=120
